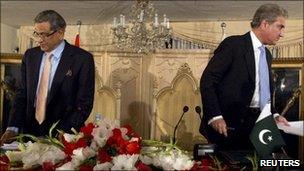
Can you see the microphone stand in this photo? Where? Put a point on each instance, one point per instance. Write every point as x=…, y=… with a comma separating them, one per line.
x=198, y=110
x=202, y=150
x=185, y=109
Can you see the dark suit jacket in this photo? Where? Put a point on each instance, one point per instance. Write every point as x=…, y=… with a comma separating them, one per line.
x=228, y=82
x=71, y=96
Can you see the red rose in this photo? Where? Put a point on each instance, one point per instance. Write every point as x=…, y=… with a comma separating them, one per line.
x=48, y=166
x=4, y=166
x=4, y=162
x=69, y=147
x=82, y=142
x=206, y=162
x=207, y=168
x=131, y=133
x=103, y=156
x=142, y=167
x=116, y=138
x=129, y=129
x=4, y=159
x=133, y=148
x=111, y=141
x=194, y=167
x=85, y=168
x=122, y=146
x=116, y=133
x=87, y=130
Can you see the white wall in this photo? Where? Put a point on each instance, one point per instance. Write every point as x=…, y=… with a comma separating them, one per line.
x=9, y=38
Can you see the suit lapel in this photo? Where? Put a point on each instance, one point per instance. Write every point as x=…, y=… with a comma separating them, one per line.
x=34, y=73
x=63, y=67
x=249, y=56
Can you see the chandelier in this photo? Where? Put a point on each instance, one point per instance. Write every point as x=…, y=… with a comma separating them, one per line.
x=144, y=33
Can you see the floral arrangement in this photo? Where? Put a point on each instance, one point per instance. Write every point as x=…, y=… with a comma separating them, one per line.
x=101, y=146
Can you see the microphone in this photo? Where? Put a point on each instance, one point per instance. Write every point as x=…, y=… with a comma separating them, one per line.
x=198, y=110
x=185, y=109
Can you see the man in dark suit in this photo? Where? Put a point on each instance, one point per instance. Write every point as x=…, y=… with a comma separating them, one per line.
x=234, y=88
x=57, y=82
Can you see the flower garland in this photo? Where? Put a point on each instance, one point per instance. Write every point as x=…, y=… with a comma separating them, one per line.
x=101, y=146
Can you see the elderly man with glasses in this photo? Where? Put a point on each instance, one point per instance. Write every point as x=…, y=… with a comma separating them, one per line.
x=57, y=82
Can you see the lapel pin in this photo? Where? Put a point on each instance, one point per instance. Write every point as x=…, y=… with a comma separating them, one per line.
x=69, y=73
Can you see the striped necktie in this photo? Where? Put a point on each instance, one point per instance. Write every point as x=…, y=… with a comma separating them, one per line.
x=43, y=90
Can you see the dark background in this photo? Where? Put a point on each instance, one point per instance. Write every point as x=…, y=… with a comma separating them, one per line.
x=286, y=81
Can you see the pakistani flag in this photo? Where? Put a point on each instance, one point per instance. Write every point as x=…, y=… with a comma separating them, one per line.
x=265, y=135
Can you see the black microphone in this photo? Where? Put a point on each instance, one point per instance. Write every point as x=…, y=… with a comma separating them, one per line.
x=198, y=110
x=185, y=109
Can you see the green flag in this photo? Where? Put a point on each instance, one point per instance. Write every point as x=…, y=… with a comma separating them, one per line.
x=265, y=135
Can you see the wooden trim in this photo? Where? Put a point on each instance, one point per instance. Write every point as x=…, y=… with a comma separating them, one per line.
x=297, y=60
x=11, y=56
x=1, y=98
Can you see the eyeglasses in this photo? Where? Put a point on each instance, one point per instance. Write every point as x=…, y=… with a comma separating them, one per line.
x=43, y=35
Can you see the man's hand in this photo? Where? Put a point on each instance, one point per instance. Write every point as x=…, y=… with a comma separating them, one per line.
x=281, y=119
x=8, y=137
x=220, y=126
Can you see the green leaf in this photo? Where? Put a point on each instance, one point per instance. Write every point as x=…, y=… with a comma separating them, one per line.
x=74, y=131
x=32, y=137
x=90, y=161
x=52, y=128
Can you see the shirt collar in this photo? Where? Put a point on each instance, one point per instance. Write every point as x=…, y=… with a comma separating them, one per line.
x=255, y=41
x=58, y=50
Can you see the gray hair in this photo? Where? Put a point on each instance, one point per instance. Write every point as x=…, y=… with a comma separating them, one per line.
x=56, y=20
x=268, y=12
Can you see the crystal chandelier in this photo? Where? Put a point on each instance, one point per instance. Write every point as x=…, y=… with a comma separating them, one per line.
x=145, y=33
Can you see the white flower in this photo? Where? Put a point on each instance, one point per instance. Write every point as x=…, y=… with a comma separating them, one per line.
x=134, y=139
x=14, y=155
x=125, y=162
x=52, y=154
x=77, y=157
x=101, y=134
x=72, y=137
x=94, y=145
x=88, y=152
x=165, y=161
x=109, y=124
x=103, y=166
x=37, y=153
x=148, y=149
x=182, y=162
x=104, y=131
x=146, y=159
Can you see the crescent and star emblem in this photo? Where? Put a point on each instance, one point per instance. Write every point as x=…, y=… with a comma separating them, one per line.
x=261, y=136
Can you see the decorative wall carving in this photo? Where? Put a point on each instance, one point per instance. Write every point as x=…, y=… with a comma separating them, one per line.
x=169, y=102
x=129, y=82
